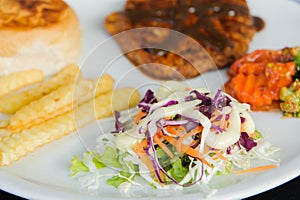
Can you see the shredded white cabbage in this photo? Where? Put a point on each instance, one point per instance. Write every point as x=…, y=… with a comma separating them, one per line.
x=219, y=143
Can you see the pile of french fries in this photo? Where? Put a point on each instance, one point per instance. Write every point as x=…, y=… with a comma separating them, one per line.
x=40, y=111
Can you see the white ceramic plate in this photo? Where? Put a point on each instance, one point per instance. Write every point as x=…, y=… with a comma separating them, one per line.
x=44, y=173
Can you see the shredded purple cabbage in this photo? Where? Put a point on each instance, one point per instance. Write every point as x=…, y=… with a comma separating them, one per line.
x=119, y=126
x=228, y=150
x=218, y=118
x=218, y=129
x=207, y=101
x=190, y=126
x=192, y=123
x=247, y=142
x=187, y=122
x=206, y=105
x=206, y=110
x=220, y=100
x=153, y=157
x=197, y=143
x=147, y=101
x=243, y=119
x=189, y=98
x=171, y=102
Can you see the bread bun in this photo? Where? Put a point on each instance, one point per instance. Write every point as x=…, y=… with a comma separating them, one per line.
x=38, y=34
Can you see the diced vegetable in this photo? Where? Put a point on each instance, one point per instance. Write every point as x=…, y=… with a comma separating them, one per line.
x=258, y=77
x=290, y=98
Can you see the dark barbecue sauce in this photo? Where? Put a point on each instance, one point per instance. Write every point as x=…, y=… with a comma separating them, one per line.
x=258, y=23
x=195, y=18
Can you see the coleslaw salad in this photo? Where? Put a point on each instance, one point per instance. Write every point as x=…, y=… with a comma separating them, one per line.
x=177, y=137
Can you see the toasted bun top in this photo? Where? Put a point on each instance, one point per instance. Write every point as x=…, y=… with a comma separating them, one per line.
x=38, y=34
x=25, y=14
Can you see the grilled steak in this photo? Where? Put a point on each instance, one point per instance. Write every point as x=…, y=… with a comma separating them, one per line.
x=223, y=28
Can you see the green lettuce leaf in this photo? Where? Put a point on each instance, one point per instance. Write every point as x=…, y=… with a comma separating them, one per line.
x=178, y=171
x=77, y=165
x=98, y=164
x=110, y=157
x=117, y=180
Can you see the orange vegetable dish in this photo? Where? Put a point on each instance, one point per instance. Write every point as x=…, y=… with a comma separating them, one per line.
x=258, y=77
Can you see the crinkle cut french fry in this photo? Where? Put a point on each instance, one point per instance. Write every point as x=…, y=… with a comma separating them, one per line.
x=104, y=84
x=17, y=145
x=4, y=132
x=4, y=123
x=55, y=103
x=14, y=81
x=11, y=104
x=59, y=101
x=104, y=105
x=126, y=99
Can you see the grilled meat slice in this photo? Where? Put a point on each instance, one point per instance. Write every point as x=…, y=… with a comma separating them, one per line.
x=221, y=28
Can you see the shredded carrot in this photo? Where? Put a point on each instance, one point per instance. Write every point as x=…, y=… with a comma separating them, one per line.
x=169, y=139
x=139, y=147
x=140, y=151
x=219, y=154
x=251, y=135
x=206, y=150
x=168, y=118
x=181, y=130
x=186, y=149
x=157, y=140
x=214, y=158
x=255, y=169
x=171, y=130
x=175, y=130
x=185, y=136
x=139, y=116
